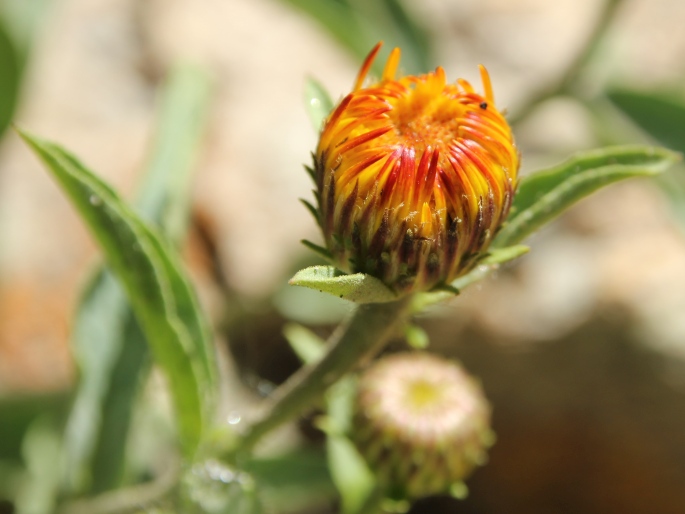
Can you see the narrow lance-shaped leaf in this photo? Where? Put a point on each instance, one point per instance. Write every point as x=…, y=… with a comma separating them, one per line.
x=107, y=341
x=150, y=274
x=544, y=195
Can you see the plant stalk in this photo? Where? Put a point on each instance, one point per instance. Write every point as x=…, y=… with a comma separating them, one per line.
x=354, y=342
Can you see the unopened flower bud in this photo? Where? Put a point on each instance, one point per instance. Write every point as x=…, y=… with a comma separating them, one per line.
x=422, y=424
x=414, y=176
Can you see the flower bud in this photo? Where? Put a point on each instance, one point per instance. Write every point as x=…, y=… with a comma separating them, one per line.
x=414, y=176
x=422, y=424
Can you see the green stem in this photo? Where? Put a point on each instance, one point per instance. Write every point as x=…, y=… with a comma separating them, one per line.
x=355, y=341
x=584, y=55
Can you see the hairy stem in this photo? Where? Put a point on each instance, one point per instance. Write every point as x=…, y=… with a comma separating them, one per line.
x=355, y=341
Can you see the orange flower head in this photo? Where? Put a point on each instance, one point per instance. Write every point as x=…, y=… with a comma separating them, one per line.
x=414, y=176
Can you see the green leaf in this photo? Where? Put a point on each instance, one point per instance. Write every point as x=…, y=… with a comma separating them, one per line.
x=416, y=337
x=387, y=20
x=293, y=482
x=312, y=210
x=165, y=196
x=661, y=117
x=23, y=20
x=19, y=22
x=502, y=255
x=159, y=292
x=125, y=380
x=339, y=19
x=351, y=475
x=308, y=307
x=12, y=475
x=318, y=103
x=107, y=341
x=306, y=344
x=41, y=450
x=359, y=287
x=544, y=195
x=319, y=250
x=359, y=24
x=424, y=300
x=9, y=78
x=19, y=412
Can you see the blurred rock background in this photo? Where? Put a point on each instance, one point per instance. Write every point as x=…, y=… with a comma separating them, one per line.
x=580, y=344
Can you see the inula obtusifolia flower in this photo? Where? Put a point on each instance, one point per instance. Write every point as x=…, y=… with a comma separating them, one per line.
x=413, y=177
x=422, y=424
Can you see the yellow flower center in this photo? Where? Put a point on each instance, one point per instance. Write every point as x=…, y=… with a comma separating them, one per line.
x=426, y=116
x=422, y=394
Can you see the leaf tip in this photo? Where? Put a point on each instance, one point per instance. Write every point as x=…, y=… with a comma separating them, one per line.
x=447, y=288
x=319, y=250
x=21, y=132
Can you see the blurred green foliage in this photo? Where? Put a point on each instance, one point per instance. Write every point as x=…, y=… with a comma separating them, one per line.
x=19, y=22
x=661, y=117
x=9, y=78
x=359, y=24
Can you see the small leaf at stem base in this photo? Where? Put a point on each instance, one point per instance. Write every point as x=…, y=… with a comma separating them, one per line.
x=359, y=287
